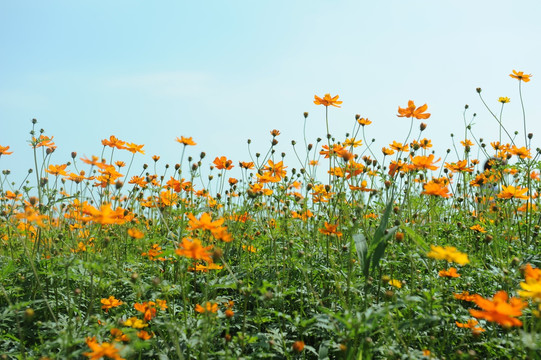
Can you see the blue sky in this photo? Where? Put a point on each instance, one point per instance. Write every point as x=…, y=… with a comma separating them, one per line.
x=226, y=71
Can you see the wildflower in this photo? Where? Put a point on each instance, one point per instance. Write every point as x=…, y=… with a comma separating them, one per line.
x=222, y=163
x=424, y=162
x=411, y=111
x=186, y=141
x=478, y=228
x=57, y=170
x=471, y=324
x=465, y=296
x=135, y=323
x=144, y=335
x=500, y=309
x=395, y=283
x=99, y=351
x=110, y=303
x=43, y=141
x=4, y=150
x=519, y=75
x=426, y=352
x=194, y=250
x=504, y=100
x=451, y=273
x=532, y=286
x=399, y=147
x=466, y=143
x=364, y=121
x=298, y=346
x=113, y=142
x=510, y=192
x=313, y=163
x=162, y=304
x=154, y=252
x=249, y=248
x=327, y=100
x=449, y=253
x=246, y=165
x=330, y=230
x=275, y=132
x=205, y=268
x=147, y=308
x=353, y=142
x=209, y=308
x=436, y=189
x=386, y=151
x=118, y=335
x=276, y=170
x=134, y=148
x=521, y=152
x=461, y=165
x=229, y=313
x=135, y=233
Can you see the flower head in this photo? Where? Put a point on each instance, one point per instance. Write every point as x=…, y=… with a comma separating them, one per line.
x=499, y=309
x=412, y=111
x=327, y=100
x=519, y=75
x=186, y=141
x=449, y=253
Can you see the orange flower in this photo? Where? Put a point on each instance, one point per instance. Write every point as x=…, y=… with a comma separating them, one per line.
x=510, y=192
x=478, y=228
x=451, y=272
x=298, y=346
x=500, y=309
x=465, y=296
x=147, y=308
x=399, y=147
x=142, y=334
x=411, y=111
x=102, y=350
x=461, y=165
x=519, y=75
x=4, y=150
x=364, y=121
x=194, y=250
x=222, y=163
x=209, y=308
x=118, y=335
x=449, y=253
x=134, y=148
x=522, y=152
x=186, y=141
x=471, y=324
x=135, y=233
x=113, y=142
x=327, y=100
x=110, y=303
x=330, y=230
x=246, y=165
x=43, y=141
x=57, y=170
x=424, y=162
x=467, y=142
x=135, y=323
x=436, y=189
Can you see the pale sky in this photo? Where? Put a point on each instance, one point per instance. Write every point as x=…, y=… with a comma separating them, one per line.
x=225, y=71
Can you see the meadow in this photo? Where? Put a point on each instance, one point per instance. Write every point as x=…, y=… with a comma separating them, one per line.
x=344, y=251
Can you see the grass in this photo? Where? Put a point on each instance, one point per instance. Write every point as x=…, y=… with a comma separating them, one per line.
x=186, y=262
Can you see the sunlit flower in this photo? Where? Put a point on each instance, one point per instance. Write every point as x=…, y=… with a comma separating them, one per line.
x=521, y=152
x=500, y=309
x=466, y=142
x=194, y=250
x=519, y=75
x=471, y=324
x=298, y=346
x=330, y=230
x=436, y=189
x=208, y=308
x=144, y=335
x=511, y=192
x=102, y=350
x=364, y=122
x=412, y=111
x=110, y=303
x=451, y=273
x=134, y=148
x=424, y=162
x=449, y=253
x=327, y=100
x=465, y=296
x=135, y=233
x=461, y=165
x=4, y=150
x=186, y=141
x=246, y=165
x=478, y=228
x=395, y=283
x=504, y=100
x=222, y=163
x=57, y=170
x=113, y=142
x=135, y=323
x=147, y=308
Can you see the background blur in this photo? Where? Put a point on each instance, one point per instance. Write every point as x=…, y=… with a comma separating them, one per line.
x=226, y=71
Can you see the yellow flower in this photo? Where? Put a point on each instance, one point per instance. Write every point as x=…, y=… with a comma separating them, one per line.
x=135, y=323
x=519, y=75
x=395, y=283
x=504, y=100
x=449, y=253
x=327, y=100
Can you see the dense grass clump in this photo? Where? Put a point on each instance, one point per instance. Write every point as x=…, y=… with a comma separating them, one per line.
x=391, y=253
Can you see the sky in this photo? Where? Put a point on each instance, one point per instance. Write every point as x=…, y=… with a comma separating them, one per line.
x=223, y=72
